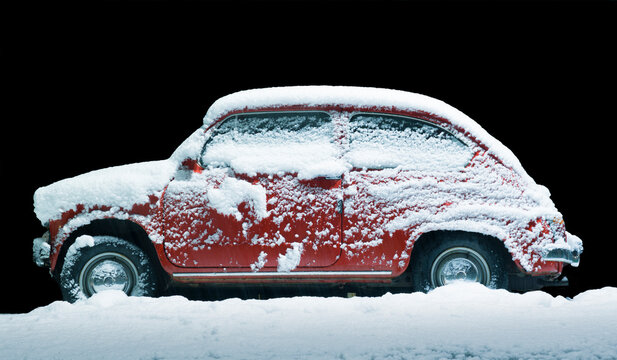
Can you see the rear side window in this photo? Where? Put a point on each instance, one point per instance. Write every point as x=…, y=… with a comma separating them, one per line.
x=384, y=141
x=273, y=143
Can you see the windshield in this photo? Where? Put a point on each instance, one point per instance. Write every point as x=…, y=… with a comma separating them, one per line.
x=192, y=146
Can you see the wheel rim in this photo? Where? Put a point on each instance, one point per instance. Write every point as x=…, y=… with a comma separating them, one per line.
x=459, y=264
x=108, y=271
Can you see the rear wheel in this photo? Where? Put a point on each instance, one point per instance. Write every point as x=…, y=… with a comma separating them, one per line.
x=98, y=263
x=451, y=257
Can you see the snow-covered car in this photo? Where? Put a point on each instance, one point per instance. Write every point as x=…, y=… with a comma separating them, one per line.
x=310, y=184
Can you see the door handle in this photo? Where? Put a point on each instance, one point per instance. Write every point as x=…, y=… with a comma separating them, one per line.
x=330, y=177
x=339, y=206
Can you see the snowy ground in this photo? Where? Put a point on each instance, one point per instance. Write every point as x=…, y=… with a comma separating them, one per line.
x=460, y=321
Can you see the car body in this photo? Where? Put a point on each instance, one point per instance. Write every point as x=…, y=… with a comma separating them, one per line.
x=316, y=184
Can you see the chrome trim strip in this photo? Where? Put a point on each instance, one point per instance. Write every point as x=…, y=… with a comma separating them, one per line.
x=571, y=257
x=285, y=274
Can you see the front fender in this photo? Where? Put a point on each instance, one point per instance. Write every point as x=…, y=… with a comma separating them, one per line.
x=103, y=221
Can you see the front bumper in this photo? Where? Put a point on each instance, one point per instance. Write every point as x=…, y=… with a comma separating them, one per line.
x=41, y=250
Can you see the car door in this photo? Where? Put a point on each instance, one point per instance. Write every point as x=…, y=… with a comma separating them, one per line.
x=402, y=172
x=266, y=199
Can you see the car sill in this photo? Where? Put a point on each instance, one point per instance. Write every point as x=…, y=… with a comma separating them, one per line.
x=283, y=274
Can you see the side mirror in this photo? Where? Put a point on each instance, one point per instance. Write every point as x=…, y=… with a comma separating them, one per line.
x=192, y=165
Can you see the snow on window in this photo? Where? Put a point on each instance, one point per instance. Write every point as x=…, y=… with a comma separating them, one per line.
x=276, y=143
x=382, y=141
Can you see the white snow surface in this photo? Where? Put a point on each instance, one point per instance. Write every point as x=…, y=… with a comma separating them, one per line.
x=458, y=321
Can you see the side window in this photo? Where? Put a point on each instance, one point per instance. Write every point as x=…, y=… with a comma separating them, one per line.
x=384, y=141
x=272, y=143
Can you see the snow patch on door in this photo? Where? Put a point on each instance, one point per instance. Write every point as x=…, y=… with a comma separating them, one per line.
x=260, y=263
x=232, y=192
x=291, y=259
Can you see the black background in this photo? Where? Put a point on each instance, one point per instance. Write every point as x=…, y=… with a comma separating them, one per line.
x=110, y=83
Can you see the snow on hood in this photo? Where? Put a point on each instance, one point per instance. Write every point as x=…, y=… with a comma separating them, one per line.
x=121, y=186
x=118, y=186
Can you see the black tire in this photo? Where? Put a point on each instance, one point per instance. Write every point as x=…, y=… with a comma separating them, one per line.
x=98, y=263
x=451, y=256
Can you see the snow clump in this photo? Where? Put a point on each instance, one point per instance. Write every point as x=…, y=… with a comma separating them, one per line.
x=232, y=192
x=291, y=259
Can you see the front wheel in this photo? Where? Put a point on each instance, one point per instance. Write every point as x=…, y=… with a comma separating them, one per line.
x=99, y=263
x=458, y=257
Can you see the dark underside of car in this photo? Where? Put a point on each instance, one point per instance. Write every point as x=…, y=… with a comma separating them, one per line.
x=518, y=282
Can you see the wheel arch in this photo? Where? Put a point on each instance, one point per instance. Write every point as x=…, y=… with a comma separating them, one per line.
x=425, y=239
x=124, y=229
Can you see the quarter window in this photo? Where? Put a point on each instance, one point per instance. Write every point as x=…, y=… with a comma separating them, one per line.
x=385, y=141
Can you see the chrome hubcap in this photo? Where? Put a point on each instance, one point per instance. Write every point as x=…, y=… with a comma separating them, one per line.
x=108, y=271
x=459, y=264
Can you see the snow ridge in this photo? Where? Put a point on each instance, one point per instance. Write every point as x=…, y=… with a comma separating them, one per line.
x=458, y=321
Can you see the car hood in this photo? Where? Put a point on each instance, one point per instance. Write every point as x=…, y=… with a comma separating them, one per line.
x=118, y=186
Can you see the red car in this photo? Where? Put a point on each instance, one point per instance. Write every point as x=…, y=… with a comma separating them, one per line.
x=312, y=184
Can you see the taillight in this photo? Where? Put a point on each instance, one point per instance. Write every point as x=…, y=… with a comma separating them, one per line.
x=558, y=228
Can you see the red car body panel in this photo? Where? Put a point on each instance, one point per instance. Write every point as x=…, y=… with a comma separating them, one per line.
x=229, y=245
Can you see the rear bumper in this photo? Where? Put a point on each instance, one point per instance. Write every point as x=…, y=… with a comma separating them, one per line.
x=568, y=256
x=41, y=250
x=568, y=251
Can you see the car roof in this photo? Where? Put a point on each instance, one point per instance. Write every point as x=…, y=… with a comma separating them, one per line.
x=323, y=96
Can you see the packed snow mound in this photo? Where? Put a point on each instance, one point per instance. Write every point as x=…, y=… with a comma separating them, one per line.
x=458, y=321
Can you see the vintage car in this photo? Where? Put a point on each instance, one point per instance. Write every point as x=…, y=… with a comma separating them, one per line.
x=309, y=184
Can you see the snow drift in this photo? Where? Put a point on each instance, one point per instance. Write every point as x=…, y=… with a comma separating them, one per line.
x=458, y=321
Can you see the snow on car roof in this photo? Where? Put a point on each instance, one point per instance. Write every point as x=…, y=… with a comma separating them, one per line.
x=328, y=95
x=365, y=97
